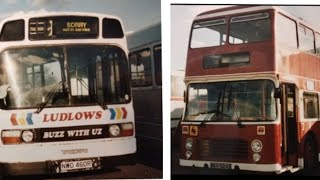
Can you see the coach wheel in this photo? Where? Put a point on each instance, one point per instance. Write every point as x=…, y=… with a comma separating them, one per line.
x=310, y=155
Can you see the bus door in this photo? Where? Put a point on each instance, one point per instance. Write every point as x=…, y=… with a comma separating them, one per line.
x=289, y=125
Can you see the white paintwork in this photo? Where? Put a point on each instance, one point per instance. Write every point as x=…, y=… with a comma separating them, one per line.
x=242, y=166
x=40, y=152
x=54, y=151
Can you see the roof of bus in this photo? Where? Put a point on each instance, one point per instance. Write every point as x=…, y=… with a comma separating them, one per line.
x=32, y=14
x=229, y=8
x=242, y=8
x=145, y=36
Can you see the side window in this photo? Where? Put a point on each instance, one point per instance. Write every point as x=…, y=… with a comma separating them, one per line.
x=286, y=32
x=140, y=65
x=306, y=39
x=318, y=44
x=157, y=64
x=310, y=105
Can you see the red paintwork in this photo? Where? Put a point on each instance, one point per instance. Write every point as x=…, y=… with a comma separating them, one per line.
x=301, y=64
x=295, y=67
x=270, y=153
x=261, y=55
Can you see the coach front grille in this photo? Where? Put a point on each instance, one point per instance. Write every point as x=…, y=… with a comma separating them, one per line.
x=223, y=149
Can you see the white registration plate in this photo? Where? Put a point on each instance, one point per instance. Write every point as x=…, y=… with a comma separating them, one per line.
x=67, y=166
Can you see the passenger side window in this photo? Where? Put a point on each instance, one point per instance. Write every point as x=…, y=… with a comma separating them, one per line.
x=306, y=39
x=140, y=65
x=318, y=44
x=286, y=32
x=310, y=105
x=157, y=64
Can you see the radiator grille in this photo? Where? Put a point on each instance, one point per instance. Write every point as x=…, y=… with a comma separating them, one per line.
x=223, y=149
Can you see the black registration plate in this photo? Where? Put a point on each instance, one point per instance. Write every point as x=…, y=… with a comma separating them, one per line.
x=220, y=165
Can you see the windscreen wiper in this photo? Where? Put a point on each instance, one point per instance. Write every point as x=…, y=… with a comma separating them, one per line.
x=207, y=116
x=85, y=85
x=102, y=105
x=240, y=125
x=215, y=110
x=232, y=104
x=235, y=110
x=48, y=97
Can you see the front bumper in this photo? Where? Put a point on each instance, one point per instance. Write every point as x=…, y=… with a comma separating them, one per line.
x=232, y=166
x=46, y=167
x=24, y=159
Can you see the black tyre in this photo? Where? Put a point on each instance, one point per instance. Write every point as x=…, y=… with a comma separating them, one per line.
x=310, y=155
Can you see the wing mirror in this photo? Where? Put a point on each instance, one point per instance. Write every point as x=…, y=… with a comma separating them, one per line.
x=277, y=93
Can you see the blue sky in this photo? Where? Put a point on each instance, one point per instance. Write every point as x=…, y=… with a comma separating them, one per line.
x=183, y=15
x=135, y=14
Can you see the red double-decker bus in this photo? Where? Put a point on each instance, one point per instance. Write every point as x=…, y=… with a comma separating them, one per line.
x=252, y=98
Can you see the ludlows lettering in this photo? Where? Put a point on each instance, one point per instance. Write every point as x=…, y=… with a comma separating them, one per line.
x=72, y=116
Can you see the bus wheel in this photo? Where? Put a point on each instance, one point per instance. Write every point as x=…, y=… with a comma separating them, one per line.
x=310, y=155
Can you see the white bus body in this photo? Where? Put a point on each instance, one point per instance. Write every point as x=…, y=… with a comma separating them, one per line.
x=89, y=128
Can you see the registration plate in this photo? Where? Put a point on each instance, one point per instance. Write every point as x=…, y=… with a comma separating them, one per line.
x=66, y=166
x=220, y=165
x=76, y=165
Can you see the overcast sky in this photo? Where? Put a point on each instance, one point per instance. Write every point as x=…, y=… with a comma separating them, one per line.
x=135, y=14
x=183, y=15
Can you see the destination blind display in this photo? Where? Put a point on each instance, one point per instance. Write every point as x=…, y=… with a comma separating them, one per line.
x=63, y=27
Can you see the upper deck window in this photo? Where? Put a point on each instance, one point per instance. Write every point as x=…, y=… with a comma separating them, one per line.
x=112, y=28
x=13, y=31
x=209, y=33
x=306, y=39
x=286, y=32
x=250, y=28
x=318, y=44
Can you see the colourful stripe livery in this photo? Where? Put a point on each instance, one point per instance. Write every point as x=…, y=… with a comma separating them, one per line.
x=118, y=113
x=21, y=119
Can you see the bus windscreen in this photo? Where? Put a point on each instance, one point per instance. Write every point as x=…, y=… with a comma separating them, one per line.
x=63, y=27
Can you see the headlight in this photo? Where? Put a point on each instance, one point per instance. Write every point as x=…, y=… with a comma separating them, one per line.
x=127, y=126
x=256, y=157
x=114, y=130
x=27, y=136
x=126, y=129
x=11, y=133
x=11, y=136
x=256, y=145
x=189, y=143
